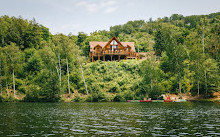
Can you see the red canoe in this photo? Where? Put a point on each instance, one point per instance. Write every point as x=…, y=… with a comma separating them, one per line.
x=168, y=100
x=145, y=100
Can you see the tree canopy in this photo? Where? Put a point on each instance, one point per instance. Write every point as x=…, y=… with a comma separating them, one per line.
x=183, y=57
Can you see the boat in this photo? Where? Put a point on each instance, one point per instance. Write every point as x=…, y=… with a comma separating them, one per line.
x=157, y=100
x=145, y=100
x=133, y=100
x=168, y=101
x=139, y=100
x=180, y=100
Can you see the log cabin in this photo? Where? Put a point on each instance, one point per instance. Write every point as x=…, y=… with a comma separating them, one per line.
x=112, y=50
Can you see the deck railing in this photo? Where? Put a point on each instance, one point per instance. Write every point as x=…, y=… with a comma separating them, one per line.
x=114, y=52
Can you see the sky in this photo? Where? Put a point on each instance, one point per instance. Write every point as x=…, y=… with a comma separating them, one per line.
x=73, y=16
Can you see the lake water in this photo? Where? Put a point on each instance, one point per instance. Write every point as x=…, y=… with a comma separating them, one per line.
x=110, y=119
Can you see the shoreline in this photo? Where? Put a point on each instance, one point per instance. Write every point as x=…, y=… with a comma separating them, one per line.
x=76, y=97
x=71, y=100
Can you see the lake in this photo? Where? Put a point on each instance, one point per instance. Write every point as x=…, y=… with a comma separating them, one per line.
x=110, y=119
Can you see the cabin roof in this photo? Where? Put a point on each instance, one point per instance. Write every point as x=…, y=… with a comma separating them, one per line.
x=95, y=43
x=103, y=44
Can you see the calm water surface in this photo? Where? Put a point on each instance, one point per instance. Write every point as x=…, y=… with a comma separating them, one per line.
x=110, y=119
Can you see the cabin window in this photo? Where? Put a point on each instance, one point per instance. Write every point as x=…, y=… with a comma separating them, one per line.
x=113, y=45
x=97, y=49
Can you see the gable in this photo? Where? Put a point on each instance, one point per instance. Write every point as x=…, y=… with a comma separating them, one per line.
x=114, y=40
x=93, y=44
x=130, y=44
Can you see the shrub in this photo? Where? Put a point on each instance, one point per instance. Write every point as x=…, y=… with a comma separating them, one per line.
x=7, y=99
x=96, y=97
x=77, y=98
x=34, y=95
x=119, y=98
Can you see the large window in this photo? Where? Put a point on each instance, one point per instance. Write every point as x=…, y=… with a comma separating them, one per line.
x=114, y=45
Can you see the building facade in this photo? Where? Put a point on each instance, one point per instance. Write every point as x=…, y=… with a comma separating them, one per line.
x=112, y=50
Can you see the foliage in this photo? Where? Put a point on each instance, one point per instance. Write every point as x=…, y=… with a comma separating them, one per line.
x=8, y=98
x=183, y=56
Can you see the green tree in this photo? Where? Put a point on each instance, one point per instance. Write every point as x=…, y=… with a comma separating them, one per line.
x=14, y=59
x=66, y=50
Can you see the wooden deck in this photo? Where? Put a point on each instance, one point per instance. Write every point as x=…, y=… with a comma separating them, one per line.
x=110, y=53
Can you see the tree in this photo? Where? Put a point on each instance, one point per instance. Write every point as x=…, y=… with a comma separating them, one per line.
x=169, y=40
x=65, y=50
x=151, y=78
x=142, y=40
x=176, y=17
x=81, y=38
x=14, y=59
x=1, y=71
x=199, y=64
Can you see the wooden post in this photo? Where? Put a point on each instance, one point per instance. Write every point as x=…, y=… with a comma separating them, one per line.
x=137, y=56
x=103, y=57
x=92, y=58
x=111, y=57
x=118, y=57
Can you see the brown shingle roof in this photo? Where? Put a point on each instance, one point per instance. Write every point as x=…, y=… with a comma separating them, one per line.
x=94, y=43
x=102, y=44
x=131, y=44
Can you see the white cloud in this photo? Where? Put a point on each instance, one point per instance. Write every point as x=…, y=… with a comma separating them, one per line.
x=110, y=9
x=108, y=6
x=108, y=3
x=92, y=7
x=81, y=3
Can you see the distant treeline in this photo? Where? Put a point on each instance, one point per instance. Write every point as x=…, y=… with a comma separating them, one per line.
x=183, y=57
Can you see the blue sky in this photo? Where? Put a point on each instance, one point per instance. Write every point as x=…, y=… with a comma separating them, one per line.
x=65, y=16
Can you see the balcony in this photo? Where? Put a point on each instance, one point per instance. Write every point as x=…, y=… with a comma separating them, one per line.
x=116, y=52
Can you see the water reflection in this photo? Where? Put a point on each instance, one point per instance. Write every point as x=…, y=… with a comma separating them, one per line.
x=115, y=119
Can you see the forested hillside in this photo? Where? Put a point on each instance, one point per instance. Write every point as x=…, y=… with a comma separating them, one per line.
x=183, y=57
